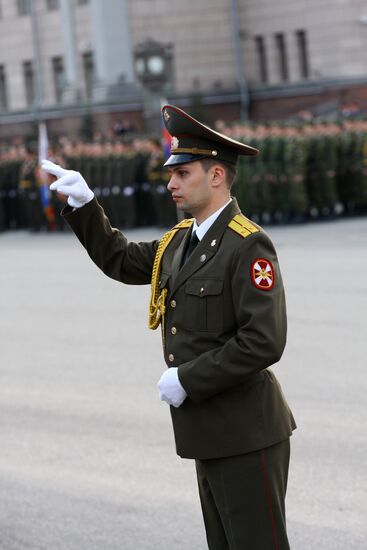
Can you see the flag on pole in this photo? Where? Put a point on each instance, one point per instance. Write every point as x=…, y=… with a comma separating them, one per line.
x=45, y=192
x=166, y=142
x=42, y=142
x=166, y=137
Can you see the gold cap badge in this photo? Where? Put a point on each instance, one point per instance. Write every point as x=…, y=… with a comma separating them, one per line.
x=174, y=143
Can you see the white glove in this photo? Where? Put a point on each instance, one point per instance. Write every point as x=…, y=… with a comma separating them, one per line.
x=170, y=389
x=69, y=183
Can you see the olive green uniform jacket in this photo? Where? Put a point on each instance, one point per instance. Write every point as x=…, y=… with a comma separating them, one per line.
x=221, y=330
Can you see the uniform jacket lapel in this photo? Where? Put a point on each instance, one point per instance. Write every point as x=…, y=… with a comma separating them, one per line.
x=177, y=256
x=204, y=251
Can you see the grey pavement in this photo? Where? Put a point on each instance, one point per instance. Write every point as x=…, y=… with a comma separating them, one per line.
x=87, y=456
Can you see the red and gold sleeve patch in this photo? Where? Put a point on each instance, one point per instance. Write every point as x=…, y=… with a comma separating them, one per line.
x=262, y=274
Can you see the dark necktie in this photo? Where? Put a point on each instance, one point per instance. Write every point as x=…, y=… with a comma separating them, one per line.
x=194, y=241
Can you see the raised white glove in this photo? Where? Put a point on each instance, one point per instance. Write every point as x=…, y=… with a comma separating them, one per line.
x=69, y=183
x=170, y=389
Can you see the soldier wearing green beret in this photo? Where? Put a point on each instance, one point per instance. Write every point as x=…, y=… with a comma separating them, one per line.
x=217, y=293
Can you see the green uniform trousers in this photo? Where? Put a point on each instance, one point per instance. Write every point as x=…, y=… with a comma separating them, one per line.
x=243, y=499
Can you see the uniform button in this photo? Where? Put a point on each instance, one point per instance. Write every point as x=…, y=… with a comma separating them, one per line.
x=173, y=303
x=171, y=357
x=173, y=330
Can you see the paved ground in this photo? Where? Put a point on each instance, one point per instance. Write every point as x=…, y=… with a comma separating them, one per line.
x=87, y=457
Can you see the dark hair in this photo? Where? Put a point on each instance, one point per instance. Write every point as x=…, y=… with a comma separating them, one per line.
x=229, y=168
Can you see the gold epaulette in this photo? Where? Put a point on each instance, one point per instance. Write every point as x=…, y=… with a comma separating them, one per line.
x=242, y=226
x=157, y=304
x=187, y=222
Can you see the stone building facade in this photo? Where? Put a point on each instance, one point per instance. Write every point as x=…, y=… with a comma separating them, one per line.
x=62, y=59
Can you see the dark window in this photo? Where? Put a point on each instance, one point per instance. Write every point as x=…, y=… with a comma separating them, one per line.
x=303, y=53
x=282, y=55
x=59, y=77
x=29, y=82
x=88, y=67
x=3, y=94
x=53, y=5
x=261, y=58
x=24, y=7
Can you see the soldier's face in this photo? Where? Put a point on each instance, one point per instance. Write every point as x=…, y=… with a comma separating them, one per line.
x=190, y=187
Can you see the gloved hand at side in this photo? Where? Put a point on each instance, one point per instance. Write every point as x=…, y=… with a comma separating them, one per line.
x=69, y=183
x=170, y=388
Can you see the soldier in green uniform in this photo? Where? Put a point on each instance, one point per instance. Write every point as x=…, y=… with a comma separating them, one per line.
x=29, y=191
x=295, y=196
x=250, y=170
x=157, y=176
x=126, y=177
x=146, y=213
x=12, y=201
x=2, y=196
x=217, y=292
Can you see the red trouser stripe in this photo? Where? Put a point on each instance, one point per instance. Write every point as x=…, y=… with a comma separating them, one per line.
x=268, y=497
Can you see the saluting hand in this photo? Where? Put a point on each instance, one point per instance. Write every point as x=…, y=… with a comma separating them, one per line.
x=69, y=183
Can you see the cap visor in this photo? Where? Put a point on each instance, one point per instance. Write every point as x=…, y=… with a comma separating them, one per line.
x=174, y=160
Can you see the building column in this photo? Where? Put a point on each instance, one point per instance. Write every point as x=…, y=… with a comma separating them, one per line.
x=112, y=47
x=72, y=85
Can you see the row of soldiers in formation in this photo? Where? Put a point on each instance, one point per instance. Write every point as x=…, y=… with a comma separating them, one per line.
x=127, y=178
x=316, y=170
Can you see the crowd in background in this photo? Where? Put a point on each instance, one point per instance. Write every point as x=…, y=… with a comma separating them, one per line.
x=127, y=177
x=305, y=170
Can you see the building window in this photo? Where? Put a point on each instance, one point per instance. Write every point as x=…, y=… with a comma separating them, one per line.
x=59, y=77
x=53, y=5
x=88, y=68
x=282, y=56
x=24, y=7
x=3, y=94
x=29, y=82
x=83, y=2
x=302, y=47
x=261, y=58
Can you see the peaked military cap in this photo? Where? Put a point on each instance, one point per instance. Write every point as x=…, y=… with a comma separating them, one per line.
x=192, y=140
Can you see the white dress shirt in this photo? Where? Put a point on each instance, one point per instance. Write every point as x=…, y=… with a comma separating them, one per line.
x=202, y=229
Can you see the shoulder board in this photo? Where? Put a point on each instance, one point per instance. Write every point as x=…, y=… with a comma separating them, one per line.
x=168, y=236
x=242, y=226
x=183, y=224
